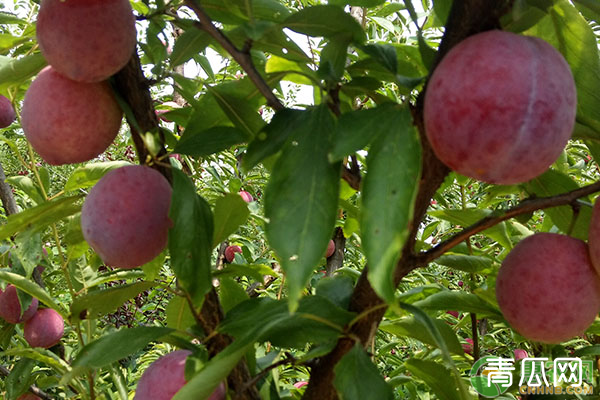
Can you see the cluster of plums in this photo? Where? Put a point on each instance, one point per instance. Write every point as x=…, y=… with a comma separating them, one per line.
x=42, y=327
x=500, y=108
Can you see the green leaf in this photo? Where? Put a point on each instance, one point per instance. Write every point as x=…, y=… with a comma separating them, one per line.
x=458, y=301
x=384, y=54
x=566, y=29
x=242, y=114
x=32, y=289
x=463, y=262
x=552, y=183
x=100, y=302
x=325, y=20
x=301, y=199
x=273, y=136
x=41, y=216
x=210, y=141
x=255, y=271
x=333, y=59
x=357, y=378
x=412, y=327
x=389, y=192
x=230, y=212
x=179, y=315
x=27, y=185
x=437, y=376
x=87, y=175
x=19, y=379
x=117, y=345
x=231, y=294
x=317, y=320
x=356, y=129
x=190, y=43
x=14, y=71
x=190, y=239
x=338, y=289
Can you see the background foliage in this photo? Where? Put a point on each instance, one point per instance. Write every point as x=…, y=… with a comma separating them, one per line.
x=335, y=151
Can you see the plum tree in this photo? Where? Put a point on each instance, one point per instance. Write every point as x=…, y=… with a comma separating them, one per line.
x=10, y=307
x=246, y=196
x=165, y=376
x=44, y=329
x=230, y=252
x=7, y=112
x=330, y=249
x=86, y=40
x=67, y=121
x=500, y=107
x=125, y=217
x=547, y=288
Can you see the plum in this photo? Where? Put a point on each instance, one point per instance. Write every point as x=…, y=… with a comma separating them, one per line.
x=28, y=396
x=547, y=288
x=10, y=307
x=86, y=40
x=594, y=236
x=500, y=107
x=7, y=112
x=165, y=376
x=230, y=252
x=520, y=354
x=44, y=329
x=246, y=196
x=67, y=121
x=125, y=217
x=330, y=249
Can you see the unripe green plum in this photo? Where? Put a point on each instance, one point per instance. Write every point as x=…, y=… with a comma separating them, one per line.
x=7, y=112
x=165, y=376
x=125, y=217
x=500, y=107
x=69, y=122
x=547, y=289
x=10, y=307
x=44, y=329
x=86, y=40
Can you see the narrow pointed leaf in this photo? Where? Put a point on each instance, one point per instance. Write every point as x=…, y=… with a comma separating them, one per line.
x=301, y=199
x=190, y=239
x=357, y=378
x=389, y=191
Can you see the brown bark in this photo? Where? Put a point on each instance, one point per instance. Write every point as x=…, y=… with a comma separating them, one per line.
x=6, y=195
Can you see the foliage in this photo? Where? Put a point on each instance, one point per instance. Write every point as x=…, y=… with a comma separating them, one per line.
x=347, y=77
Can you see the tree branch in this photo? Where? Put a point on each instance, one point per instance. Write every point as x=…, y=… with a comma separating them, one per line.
x=6, y=195
x=526, y=206
x=243, y=58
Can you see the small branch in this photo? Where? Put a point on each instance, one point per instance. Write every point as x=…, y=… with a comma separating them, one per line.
x=336, y=260
x=241, y=57
x=6, y=195
x=32, y=389
x=524, y=207
x=289, y=359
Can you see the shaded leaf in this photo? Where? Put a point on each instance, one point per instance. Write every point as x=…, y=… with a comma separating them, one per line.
x=230, y=212
x=389, y=192
x=100, y=302
x=87, y=175
x=325, y=20
x=190, y=239
x=357, y=378
x=210, y=141
x=301, y=199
